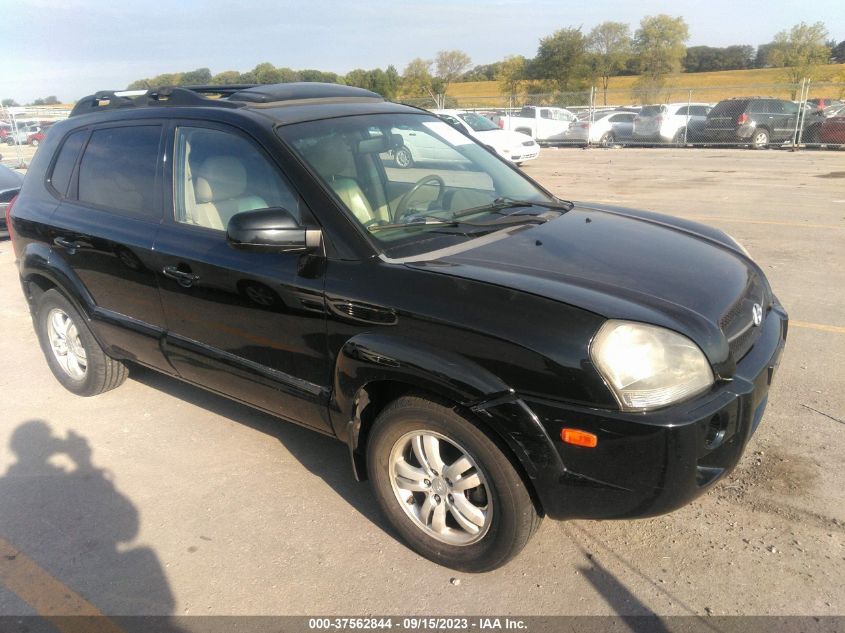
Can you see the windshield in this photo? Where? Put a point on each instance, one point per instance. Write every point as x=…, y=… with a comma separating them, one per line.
x=406, y=178
x=478, y=122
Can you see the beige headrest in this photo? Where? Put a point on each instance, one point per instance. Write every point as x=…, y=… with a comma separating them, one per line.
x=219, y=178
x=329, y=157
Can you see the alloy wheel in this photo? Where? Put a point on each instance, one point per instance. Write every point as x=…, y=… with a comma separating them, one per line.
x=65, y=344
x=440, y=487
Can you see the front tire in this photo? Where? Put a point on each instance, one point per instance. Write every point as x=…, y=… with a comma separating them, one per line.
x=403, y=158
x=607, y=139
x=447, y=488
x=73, y=354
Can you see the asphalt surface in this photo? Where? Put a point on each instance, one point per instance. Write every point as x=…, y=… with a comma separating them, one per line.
x=160, y=498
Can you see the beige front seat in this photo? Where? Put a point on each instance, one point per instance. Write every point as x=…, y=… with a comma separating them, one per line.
x=219, y=187
x=331, y=157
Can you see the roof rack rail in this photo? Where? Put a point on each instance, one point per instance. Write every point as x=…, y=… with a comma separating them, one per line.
x=302, y=91
x=223, y=89
x=106, y=100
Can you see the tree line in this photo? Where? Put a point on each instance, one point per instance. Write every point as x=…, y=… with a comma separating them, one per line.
x=567, y=60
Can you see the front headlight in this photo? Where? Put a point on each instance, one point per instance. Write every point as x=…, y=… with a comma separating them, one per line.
x=647, y=366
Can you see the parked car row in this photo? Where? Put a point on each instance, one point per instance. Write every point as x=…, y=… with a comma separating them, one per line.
x=756, y=122
x=22, y=133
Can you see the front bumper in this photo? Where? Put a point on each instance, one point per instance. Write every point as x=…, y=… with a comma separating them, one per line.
x=651, y=463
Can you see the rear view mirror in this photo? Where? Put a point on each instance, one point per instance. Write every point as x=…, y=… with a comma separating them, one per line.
x=273, y=230
x=379, y=144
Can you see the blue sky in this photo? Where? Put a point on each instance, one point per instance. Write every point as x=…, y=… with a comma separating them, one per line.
x=73, y=47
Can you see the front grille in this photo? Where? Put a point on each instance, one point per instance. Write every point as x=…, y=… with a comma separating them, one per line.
x=738, y=321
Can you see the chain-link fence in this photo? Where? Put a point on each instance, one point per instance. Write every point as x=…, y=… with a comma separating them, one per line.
x=806, y=114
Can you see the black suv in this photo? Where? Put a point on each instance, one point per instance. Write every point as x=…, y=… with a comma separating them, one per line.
x=755, y=121
x=489, y=353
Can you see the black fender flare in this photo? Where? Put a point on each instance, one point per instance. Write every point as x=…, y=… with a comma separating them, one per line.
x=38, y=259
x=374, y=357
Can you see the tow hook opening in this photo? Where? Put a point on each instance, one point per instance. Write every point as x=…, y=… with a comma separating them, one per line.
x=716, y=431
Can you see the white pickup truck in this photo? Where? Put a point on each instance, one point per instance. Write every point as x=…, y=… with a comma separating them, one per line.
x=542, y=123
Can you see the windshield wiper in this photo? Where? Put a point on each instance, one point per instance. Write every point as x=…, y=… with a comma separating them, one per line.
x=500, y=204
x=511, y=218
x=412, y=223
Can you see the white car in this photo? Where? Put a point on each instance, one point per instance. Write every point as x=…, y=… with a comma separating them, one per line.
x=670, y=123
x=512, y=146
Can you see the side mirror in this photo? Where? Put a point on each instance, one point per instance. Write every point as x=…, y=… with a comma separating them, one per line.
x=271, y=230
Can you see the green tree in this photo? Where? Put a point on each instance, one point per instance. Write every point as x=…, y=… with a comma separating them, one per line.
x=511, y=75
x=9, y=103
x=800, y=51
x=227, y=77
x=198, y=77
x=482, y=72
x=609, y=45
x=561, y=60
x=393, y=82
x=450, y=65
x=837, y=53
x=700, y=59
x=417, y=81
x=660, y=45
x=266, y=73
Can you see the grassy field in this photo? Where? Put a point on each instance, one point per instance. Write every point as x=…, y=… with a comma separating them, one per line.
x=707, y=87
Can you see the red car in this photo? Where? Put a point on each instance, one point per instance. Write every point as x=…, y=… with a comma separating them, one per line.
x=832, y=131
x=36, y=138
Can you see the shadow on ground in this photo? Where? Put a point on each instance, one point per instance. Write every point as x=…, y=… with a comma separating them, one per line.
x=66, y=534
x=323, y=456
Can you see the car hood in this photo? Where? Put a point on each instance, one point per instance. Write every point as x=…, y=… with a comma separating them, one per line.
x=620, y=264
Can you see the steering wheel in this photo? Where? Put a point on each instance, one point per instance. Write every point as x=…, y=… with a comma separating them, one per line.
x=405, y=201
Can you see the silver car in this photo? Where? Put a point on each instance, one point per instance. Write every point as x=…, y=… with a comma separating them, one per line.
x=606, y=128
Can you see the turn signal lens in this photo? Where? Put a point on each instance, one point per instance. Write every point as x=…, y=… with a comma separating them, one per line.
x=579, y=438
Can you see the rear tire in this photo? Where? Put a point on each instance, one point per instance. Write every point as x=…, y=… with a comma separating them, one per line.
x=678, y=139
x=474, y=526
x=760, y=139
x=73, y=354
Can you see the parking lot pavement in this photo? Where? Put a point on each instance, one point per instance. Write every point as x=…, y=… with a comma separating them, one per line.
x=161, y=498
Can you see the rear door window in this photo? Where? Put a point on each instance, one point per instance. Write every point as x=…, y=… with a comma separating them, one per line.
x=118, y=170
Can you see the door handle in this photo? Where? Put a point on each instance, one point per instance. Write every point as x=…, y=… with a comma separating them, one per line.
x=184, y=277
x=70, y=245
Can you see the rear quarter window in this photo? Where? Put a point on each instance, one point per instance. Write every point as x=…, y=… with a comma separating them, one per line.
x=63, y=167
x=118, y=170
